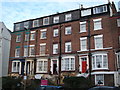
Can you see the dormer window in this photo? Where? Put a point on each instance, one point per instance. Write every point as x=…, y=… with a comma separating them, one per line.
x=68, y=17
x=46, y=21
x=56, y=19
x=26, y=25
x=35, y=23
x=86, y=12
x=17, y=27
x=100, y=9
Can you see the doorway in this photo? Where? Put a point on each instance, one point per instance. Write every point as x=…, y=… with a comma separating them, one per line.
x=54, y=66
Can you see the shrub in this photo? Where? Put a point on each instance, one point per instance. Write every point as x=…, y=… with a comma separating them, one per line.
x=76, y=82
x=10, y=83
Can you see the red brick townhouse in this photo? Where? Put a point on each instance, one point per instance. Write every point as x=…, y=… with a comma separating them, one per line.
x=39, y=44
x=116, y=19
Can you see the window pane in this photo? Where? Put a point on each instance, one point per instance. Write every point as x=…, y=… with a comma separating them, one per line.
x=55, y=32
x=68, y=30
x=18, y=38
x=26, y=37
x=99, y=79
x=42, y=49
x=55, y=48
x=97, y=25
x=43, y=34
x=98, y=61
x=32, y=51
x=98, y=42
x=56, y=19
x=83, y=27
x=35, y=23
x=105, y=61
x=67, y=17
x=32, y=36
x=46, y=21
x=83, y=44
x=68, y=47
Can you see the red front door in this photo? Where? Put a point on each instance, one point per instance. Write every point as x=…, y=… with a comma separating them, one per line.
x=84, y=64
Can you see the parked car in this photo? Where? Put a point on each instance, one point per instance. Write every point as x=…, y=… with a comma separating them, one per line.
x=50, y=88
x=104, y=88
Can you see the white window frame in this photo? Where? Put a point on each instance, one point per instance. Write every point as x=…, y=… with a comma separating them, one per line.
x=68, y=30
x=32, y=35
x=41, y=36
x=43, y=67
x=16, y=69
x=118, y=59
x=27, y=37
x=25, y=51
x=67, y=66
x=18, y=38
x=17, y=26
x=44, y=21
x=118, y=22
x=96, y=23
x=56, y=19
x=66, y=46
x=31, y=46
x=98, y=36
x=82, y=29
x=56, y=30
x=42, y=44
x=68, y=17
x=26, y=25
x=96, y=10
x=55, y=48
x=94, y=61
x=96, y=83
x=16, y=51
x=86, y=12
x=37, y=22
x=81, y=43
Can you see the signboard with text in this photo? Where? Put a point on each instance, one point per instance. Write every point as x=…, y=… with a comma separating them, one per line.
x=44, y=82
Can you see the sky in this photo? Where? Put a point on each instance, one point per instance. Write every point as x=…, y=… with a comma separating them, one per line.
x=21, y=10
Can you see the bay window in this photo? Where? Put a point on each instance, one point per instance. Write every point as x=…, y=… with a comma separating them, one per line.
x=99, y=61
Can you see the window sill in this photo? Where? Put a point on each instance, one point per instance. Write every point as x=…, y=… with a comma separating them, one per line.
x=32, y=39
x=43, y=38
x=55, y=36
x=41, y=72
x=67, y=70
x=83, y=32
x=68, y=51
x=100, y=69
x=17, y=41
x=17, y=56
x=98, y=29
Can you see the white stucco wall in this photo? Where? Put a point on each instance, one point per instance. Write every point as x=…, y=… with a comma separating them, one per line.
x=5, y=38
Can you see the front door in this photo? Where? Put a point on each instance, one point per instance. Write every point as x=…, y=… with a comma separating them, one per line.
x=54, y=66
x=84, y=64
x=29, y=67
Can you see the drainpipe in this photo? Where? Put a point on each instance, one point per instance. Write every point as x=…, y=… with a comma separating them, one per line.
x=60, y=49
x=89, y=50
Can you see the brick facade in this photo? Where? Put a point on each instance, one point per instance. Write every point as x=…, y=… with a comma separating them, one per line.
x=109, y=32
